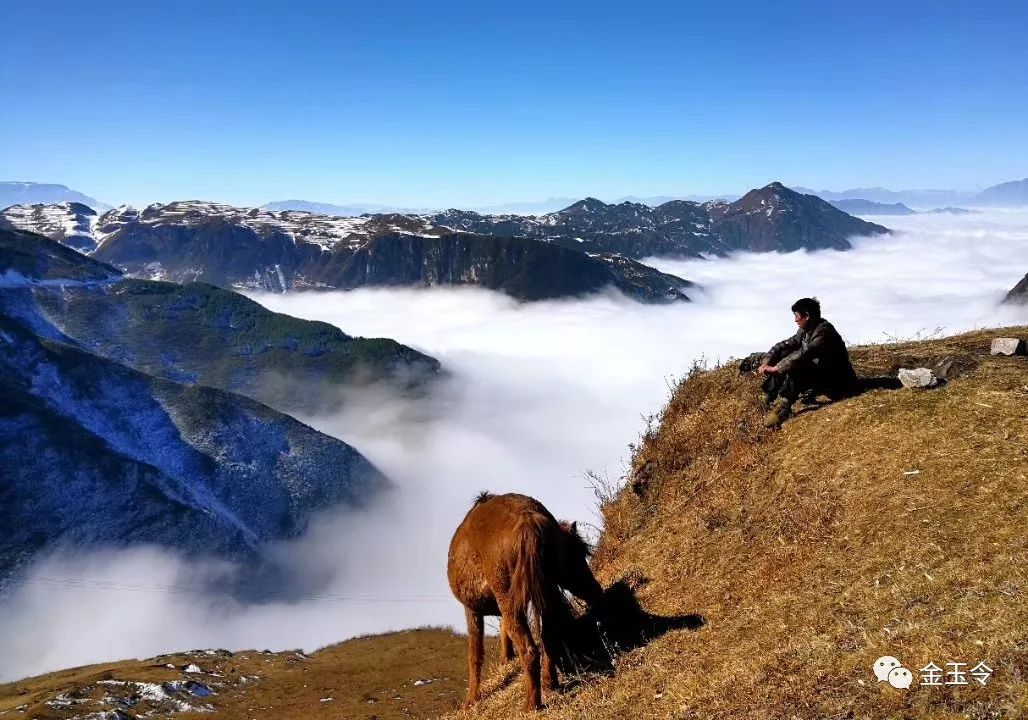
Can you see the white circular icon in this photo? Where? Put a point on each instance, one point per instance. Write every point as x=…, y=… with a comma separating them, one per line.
x=900, y=678
x=885, y=665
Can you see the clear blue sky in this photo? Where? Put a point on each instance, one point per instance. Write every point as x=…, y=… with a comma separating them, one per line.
x=446, y=103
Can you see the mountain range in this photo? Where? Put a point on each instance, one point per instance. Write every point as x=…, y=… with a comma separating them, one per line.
x=258, y=249
x=581, y=249
x=32, y=193
x=125, y=419
x=772, y=218
x=1008, y=194
x=349, y=210
x=536, y=207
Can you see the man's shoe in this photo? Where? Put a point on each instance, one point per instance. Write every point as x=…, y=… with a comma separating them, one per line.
x=808, y=398
x=780, y=412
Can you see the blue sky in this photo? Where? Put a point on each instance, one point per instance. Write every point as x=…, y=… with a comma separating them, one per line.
x=445, y=103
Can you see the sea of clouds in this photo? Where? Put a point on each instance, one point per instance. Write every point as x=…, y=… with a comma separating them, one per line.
x=538, y=394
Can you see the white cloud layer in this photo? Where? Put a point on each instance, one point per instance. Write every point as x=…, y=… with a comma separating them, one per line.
x=539, y=394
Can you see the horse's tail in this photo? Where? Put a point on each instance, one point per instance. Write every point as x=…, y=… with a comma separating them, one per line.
x=528, y=581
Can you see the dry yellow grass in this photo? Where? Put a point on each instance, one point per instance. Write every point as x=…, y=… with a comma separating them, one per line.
x=370, y=678
x=892, y=523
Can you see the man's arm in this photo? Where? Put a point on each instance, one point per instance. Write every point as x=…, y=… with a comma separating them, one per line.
x=819, y=339
x=783, y=348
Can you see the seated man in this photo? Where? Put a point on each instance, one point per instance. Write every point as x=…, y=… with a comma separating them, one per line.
x=814, y=360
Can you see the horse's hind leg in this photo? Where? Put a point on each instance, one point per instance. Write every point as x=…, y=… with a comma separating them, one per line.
x=516, y=623
x=549, y=668
x=506, y=647
x=476, y=652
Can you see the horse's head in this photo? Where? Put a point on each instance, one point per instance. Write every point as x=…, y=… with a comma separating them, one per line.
x=574, y=543
x=575, y=573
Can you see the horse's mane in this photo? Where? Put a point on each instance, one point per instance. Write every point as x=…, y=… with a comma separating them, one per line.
x=482, y=497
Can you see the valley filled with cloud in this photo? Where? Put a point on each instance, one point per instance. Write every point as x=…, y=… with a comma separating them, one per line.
x=537, y=397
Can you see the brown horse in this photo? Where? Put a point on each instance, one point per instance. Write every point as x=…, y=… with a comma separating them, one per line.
x=510, y=553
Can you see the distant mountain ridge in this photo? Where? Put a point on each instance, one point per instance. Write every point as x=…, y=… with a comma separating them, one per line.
x=1013, y=193
x=526, y=207
x=772, y=218
x=32, y=193
x=915, y=198
x=1007, y=194
x=349, y=210
x=869, y=207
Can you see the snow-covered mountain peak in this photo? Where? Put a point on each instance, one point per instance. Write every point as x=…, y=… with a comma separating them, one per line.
x=78, y=226
x=71, y=223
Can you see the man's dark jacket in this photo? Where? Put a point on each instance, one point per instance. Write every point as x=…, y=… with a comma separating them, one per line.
x=817, y=349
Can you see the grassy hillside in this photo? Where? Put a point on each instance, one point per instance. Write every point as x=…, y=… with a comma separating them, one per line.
x=887, y=524
x=419, y=673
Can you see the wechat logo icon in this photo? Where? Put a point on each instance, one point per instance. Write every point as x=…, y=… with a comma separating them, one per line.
x=889, y=669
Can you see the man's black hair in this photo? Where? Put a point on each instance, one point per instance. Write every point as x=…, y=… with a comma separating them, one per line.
x=808, y=307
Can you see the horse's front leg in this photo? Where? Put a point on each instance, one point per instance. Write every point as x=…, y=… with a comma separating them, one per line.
x=476, y=652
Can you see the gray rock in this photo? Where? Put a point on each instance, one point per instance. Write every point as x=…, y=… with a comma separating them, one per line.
x=1007, y=346
x=943, y=368
x=918, y=378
